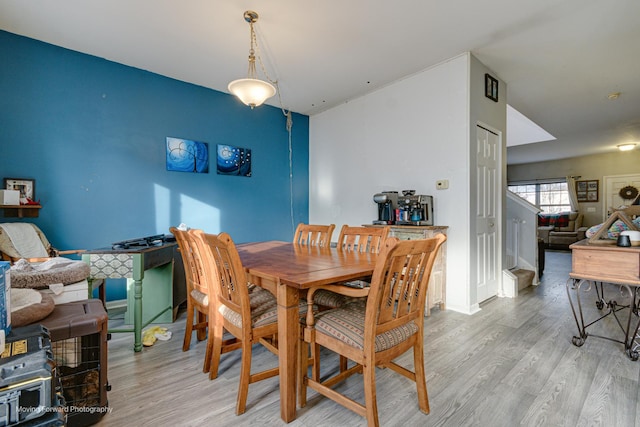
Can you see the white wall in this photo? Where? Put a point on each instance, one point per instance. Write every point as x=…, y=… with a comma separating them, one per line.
x=404, y=136
x=595, y=166
x=522, y=214
x=493, y=116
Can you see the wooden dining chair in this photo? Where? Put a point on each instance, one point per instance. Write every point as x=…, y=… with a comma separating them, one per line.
x=313, y=235
x=247, y=312
x=375, y=332
x=200, y=307
x=362, y=239
x=318, y=235
x=358, y=239
x=354, y=239
x=197, y=307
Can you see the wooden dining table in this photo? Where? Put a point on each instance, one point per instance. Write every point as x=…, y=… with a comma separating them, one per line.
x=288, y=270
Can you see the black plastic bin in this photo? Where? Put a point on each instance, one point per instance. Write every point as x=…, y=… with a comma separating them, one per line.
x=79, y=336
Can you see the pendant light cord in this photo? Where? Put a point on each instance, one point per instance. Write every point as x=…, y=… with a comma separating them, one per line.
x=286, y=113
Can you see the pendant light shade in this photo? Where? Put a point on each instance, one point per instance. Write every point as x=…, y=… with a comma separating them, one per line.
x=252, y=92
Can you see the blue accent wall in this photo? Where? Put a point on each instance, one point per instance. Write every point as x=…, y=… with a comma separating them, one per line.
x=92, y=134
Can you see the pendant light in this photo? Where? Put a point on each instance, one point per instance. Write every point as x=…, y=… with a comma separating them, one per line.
x=252, y=91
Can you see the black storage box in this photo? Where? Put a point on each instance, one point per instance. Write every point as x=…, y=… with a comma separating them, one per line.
x=79, y=344
x=55, y=416
x=28, y=381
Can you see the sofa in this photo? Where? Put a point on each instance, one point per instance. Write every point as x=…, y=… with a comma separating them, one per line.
x=559, y=230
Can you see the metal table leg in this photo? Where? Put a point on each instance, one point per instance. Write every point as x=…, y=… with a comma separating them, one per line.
x=581, y=285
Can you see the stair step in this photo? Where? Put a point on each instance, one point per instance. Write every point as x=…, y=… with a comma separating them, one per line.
x=525, y=277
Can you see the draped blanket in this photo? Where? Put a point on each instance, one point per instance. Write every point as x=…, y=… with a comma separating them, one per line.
x=555, y=220
x=25, y=240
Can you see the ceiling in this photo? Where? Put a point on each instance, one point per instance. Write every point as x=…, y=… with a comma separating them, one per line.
x=560, y=58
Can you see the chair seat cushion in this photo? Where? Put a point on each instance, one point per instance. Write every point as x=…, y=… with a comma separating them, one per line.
x=330, y=299
x=334, y=300
x=264, y=309
x=200, y=297
x=347, y=325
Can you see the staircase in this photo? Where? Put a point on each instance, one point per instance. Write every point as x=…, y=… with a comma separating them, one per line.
x=525, y=277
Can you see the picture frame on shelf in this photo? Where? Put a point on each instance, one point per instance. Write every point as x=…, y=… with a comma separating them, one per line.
x=587, y=190
x=26, y=187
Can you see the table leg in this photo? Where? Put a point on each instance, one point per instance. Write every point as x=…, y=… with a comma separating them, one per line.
x=612, y=308
x=288, y=336
x=138, y=275
x=573, y=284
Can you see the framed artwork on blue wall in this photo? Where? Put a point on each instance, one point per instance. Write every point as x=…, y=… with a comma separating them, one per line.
x=233, y=160
x=185, y=155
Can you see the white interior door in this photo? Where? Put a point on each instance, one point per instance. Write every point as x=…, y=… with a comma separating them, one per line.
x=487, y=214
x=612, y=186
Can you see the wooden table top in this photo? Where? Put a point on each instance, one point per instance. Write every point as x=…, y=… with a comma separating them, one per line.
x=304, y=266
x=603, y=262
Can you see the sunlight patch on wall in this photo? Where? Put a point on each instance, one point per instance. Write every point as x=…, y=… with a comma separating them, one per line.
x=197, y=214
x=162, y=195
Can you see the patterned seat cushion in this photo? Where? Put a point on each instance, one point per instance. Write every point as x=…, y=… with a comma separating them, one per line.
x=334, y=300
x=264, y=309
x=203, y=299
x=330, y=299
x=347, y=325
x=200, y=297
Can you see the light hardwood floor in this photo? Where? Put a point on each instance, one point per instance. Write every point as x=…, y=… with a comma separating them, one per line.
x=510, y=364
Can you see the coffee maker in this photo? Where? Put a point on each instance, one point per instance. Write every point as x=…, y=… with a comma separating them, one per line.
x=414, y=209
x=387, y=204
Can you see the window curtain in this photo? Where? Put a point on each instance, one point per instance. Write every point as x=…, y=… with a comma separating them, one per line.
x=573, y=197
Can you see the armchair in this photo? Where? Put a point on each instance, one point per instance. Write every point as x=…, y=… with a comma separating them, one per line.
x=25, y=240
x=37, y=265
x=562, y=229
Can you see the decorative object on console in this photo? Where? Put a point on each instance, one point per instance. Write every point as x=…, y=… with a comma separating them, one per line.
x=633, y=235
x=184, y=155
x=618, y=222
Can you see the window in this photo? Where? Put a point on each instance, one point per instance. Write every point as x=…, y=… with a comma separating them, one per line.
x=551, y=197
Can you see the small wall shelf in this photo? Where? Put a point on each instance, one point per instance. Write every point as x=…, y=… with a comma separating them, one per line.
x=21, y=211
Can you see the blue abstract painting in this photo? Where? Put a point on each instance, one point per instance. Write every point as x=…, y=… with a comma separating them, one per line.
x=234, y=161
x=184, y=155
